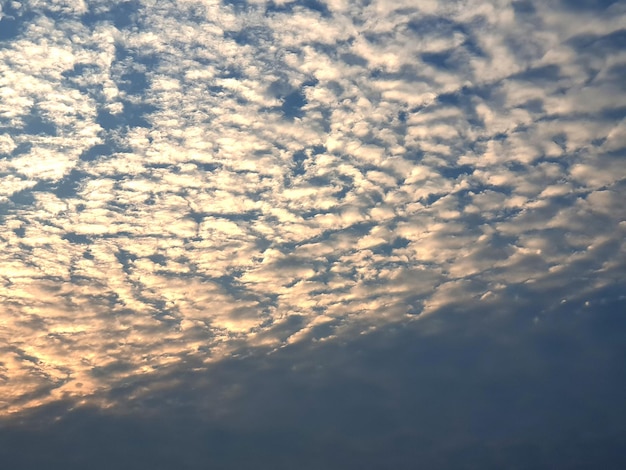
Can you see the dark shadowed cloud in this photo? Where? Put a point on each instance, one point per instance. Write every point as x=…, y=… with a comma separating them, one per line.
x=467, y=388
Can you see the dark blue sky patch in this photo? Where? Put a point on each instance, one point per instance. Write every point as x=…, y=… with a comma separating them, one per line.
x=436, y=59
x=299, y=158
x=134, y=115
x=466, y=100
x=165, y=166
x=523, y=7
x=415, y=155
x=97, y=151
x=126, y=259
x=375, y=37
x=43, y=186
x=13, y=21
x=77, y=238
x=617, y=153
x=325, y=119
x=429, y=25
x=134, y=83
x=22, y=149
x=599, y=45
x=80, y=69
x=546, y=73
x=607, y=114
x=232, y=285
x=410, y=73
x=455, y=59
x=292, y=104
x=20, y=231
x=453, y=172
x=463, y=97
x=116, y=367
x=388, y=248
x=235, y=216
x=431, y=198
x=262, y=243
x=318, y=150
x=322, y=331
x=615, y=75
x=284, y=329
x=197, y=217
x=36, y=124
x=279, y=88
x=250, y=35
x=311, y=213
x=614, y=114
x=353, y=59
x=315, y=5
x=131, y=57
x=107, y=120
x=123, y=15
x=593, y=6
x=318, y=6
x=78, y=78
x=335, y=87
x=450, y=99
x=208, y=167
x=158, y=258
x=25, y=197
x=472, y=46
x=230, y=71
x=9, y=27
x=236, y=5
x=534, y=106
x=561, y=140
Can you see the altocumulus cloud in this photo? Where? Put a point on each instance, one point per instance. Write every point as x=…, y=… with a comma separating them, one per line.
x=184, y=183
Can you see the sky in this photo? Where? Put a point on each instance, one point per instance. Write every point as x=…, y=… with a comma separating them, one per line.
x=312, y=234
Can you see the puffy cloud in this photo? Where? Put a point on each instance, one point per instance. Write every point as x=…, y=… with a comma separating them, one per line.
x=187, y=178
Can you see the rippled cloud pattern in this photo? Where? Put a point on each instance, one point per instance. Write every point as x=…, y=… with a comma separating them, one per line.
x=188, y=182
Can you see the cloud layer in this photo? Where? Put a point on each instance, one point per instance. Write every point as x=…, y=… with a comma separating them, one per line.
x=187, y=181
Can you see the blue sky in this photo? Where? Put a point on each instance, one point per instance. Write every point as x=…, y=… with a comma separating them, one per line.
x=344, y=233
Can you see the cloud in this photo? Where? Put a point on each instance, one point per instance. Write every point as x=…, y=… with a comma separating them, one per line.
x=198, y=179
